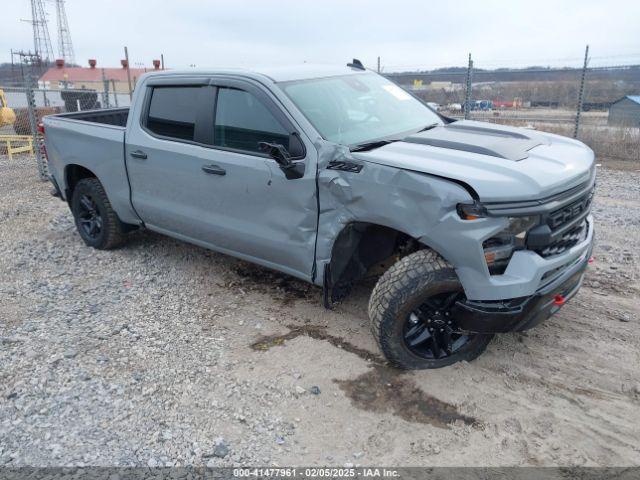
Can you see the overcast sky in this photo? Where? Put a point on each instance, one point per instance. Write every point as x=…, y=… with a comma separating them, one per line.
x=406, y=34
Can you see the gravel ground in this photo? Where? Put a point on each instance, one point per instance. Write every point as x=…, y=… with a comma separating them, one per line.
x=163, y=353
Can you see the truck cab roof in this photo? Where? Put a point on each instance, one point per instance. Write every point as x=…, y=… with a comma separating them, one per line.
x=305, y=71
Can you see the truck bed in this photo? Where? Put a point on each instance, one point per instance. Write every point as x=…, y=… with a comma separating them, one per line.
x=93, y=140
x=109, y=116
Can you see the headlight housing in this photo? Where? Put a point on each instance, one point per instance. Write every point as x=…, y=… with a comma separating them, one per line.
x=499, y=248
x=471, y=211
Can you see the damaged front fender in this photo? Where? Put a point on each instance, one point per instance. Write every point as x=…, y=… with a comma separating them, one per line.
x=410, y=203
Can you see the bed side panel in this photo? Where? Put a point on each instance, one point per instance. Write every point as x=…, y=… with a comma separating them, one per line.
x=97, y=147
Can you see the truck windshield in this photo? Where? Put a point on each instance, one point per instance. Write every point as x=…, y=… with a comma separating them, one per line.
x=357, y=109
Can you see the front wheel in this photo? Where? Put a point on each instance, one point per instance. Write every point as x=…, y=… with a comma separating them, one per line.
x=411, y=319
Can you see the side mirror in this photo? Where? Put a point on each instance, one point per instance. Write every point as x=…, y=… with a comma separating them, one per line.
x=281, y=155
x=277, y=152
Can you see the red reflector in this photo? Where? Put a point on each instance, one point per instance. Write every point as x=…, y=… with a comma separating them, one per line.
x=559, y=300
x=592, y=259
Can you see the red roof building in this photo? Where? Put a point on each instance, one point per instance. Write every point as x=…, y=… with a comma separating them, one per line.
x=59, y=76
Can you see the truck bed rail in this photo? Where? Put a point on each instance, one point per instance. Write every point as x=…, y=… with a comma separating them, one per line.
x=110, y=116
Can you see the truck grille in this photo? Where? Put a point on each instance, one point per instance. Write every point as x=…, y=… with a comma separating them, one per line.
x=566, y=214
x=570, y=238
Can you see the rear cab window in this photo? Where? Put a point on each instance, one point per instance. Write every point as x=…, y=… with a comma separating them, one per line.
x=173, y=111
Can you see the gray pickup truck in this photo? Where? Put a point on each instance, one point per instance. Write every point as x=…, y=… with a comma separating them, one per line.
x=334, y=174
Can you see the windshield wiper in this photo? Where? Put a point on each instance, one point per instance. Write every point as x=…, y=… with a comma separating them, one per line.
x=363, y=147
x=428, y=127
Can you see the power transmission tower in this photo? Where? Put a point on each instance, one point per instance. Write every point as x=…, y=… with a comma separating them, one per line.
x=65, y=47
x=41, y=39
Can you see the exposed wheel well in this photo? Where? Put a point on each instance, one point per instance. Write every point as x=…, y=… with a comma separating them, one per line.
x=362, y=248
x=73, y=174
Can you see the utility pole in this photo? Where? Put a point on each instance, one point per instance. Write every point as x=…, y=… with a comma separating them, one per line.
x=467, y=97
x=36, y=139
x=29, y=60
x=581, y=92
x=378, y=64
x=105, y=91
x=65, y=47
x=126, y=57
x=13, y=75
x=115, y=92
x=162, y=60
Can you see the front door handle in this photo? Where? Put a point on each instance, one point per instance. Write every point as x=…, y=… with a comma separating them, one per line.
x=214, y=170
x=138, y=154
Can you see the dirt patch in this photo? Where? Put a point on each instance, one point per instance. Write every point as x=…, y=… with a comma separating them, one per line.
x=317, y=333
x=180, y=374
x=383, y=389
x=262, y=280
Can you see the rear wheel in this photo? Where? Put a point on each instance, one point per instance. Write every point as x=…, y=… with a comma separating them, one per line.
x=96, y=221
x=411, y=319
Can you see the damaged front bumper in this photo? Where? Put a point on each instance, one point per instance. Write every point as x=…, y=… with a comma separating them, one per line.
x=522, y=313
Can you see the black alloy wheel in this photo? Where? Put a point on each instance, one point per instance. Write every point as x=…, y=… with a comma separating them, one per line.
x=430, y=330
x=412, y=319
x=96, y=221
x=89, y=217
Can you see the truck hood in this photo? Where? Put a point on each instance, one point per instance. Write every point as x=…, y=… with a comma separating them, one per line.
x=500, y=163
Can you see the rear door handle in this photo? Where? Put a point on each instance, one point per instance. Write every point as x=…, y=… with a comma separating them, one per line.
x=214, y=170
x=138, y=154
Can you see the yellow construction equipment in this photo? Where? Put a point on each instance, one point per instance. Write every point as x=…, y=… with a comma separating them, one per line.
x=7, y=115
x=16, y=144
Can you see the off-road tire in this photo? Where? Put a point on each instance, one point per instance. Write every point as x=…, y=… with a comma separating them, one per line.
x=113, y=233
x=398, y=292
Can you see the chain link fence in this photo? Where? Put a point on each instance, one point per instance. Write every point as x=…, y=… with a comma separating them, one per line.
x=30, y=103
x=545, y=99
x=541, y=98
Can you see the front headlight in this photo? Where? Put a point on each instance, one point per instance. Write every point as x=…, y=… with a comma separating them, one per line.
x=471, y=211
x=499, y=248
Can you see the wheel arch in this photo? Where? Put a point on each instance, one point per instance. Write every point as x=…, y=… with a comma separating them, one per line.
x=357, y=248
x=73, y=173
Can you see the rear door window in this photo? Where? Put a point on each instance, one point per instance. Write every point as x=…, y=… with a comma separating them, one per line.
x=172, y=111
x=242, y=122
